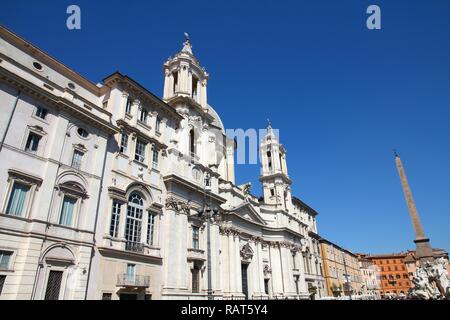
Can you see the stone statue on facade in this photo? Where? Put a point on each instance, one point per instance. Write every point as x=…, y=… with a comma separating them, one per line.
x=246, y=189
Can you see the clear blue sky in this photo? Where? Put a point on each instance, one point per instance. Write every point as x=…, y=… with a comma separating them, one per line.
x=342, y=96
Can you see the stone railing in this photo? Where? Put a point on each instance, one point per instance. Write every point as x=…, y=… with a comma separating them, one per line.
x=126, y=280
x=135, y=247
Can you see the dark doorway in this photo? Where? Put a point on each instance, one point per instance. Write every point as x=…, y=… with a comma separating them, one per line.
x=128, y=296
x=244, y=268
x=266, y=286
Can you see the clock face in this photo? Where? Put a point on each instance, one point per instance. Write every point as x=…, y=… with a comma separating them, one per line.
x=196, y=174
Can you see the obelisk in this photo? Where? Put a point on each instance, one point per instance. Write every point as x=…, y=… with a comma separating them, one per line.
x=424, y=252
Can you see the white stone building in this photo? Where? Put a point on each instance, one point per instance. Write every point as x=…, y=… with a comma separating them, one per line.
x=103, y=185
x=54, y=135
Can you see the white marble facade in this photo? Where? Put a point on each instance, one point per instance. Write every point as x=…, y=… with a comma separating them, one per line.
x=101, y=187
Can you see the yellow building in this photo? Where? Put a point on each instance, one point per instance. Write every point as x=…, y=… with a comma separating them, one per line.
x=341, y=270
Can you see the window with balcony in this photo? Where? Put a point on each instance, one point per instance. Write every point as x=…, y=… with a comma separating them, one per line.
x=32, y=142
x=124, y=143
x=133, y=227
x=115, y=218
x=195, y=237
x=140, y=151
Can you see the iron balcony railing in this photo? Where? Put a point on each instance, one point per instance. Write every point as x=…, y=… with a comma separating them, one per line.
x=127, y=280
x=134, y=246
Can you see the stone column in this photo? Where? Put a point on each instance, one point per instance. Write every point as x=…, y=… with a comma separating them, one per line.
x=275, y=260
x=231, y=263
x=288, y=276
x=123, y=105
x=237, y=252
x=135, y=109
x=168, y=84
x=202, y=93
x=259, y=256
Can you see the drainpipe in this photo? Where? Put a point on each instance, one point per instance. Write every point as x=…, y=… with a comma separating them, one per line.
x=10, y=119
x=100, y=189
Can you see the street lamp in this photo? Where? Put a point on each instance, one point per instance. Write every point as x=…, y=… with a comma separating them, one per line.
x=206, y=213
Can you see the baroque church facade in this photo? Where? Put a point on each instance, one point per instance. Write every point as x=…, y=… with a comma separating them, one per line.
x=109, y=192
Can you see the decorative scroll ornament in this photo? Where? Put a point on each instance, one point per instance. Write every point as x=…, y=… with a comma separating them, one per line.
x=178, y=205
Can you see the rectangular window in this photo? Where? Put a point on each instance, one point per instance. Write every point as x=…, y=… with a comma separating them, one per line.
x=53, y=285
x=150, y=229
x=2, y=283
x=106, y=296
x=124, y=143
x=143, y=115
x=195, y=280
x=128, y=106
x=17, y=199
x=76, y=159
x=5, y=258
x=155, y=158
x=140, y=151
x=41, y=112
x=32, y=142
x=195, y=237
x=131, y=269
x=67, y=211
x=115, y=217
x=158, y=124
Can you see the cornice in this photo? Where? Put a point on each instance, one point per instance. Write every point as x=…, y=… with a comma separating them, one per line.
x=58, y=102
x=47, y=59
x=173, y=178
x=140, y=92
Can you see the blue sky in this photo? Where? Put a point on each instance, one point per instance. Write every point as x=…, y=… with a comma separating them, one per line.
x=341, y=95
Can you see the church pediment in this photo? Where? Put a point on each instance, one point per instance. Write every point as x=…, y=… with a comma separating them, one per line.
x=248, y=212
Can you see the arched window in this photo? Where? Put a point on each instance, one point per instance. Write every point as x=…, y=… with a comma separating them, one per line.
x=133, y=226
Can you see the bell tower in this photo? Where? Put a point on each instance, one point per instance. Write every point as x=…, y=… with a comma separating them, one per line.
x=184, y=77
x=274, y=175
